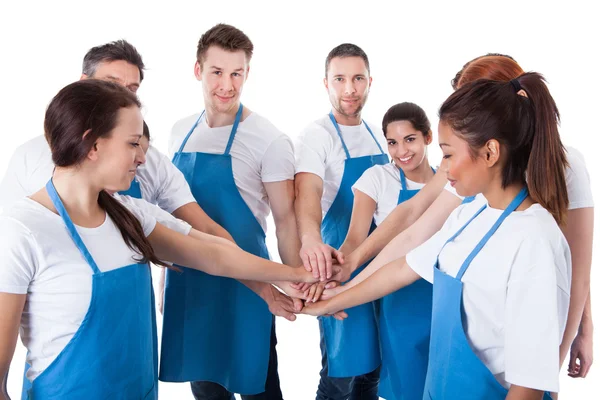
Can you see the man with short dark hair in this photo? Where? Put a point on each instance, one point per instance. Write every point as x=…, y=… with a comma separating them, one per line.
x=217, y=334
x=331, y=154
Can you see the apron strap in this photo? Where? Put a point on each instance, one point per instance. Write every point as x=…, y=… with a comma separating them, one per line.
x=511, y=207
x=337, y=129
x=189, y=133
x=403, y=178
x=238, y=117
x=373, y=136
x=58, y=204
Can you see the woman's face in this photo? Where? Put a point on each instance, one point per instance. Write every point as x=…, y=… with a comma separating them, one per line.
x=118, y=155
x=467, y=174
x=406, y=145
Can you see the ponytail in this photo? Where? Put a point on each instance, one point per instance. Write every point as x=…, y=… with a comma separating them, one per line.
x=547, y=161
x=130, y=228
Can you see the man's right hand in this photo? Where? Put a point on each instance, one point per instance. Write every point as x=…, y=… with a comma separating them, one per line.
x=317, y=258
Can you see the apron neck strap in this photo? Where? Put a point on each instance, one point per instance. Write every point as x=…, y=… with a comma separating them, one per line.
x=339, y=132
x=58, y=204
x=236, y=122
x=403, y=178
x=514, y=204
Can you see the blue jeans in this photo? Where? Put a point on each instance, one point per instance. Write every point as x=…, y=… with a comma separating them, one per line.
x=363, y=387
x=203, y=390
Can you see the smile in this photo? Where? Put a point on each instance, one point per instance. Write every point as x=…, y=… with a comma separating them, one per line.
x=406, y=159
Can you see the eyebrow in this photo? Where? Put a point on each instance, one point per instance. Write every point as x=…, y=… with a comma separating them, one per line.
x=220, y=69
x=409, y=135
x=444, y=144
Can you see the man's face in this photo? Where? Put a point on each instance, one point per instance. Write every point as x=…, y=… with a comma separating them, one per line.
x=121, y=72
x=348, y=83
x=223, y=74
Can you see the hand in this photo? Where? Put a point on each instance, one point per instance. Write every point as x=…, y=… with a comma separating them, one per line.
x=301, y=286
x=320, y=309
x=314, y=293
x=290, y=289
x=282, y=305
x=333, y=290
x=581, y=356
x=317, y=258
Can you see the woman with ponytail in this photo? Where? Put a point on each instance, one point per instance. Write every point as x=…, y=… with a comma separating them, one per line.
x=74, y=279
x=500, y=265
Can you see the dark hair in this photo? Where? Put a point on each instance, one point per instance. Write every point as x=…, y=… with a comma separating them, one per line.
x=146, y=131
x=407, y=112
x=494, y=66
x=119, y=50
x=346, y=50
x=226, y=37
x=76, y=118
x=526, y=126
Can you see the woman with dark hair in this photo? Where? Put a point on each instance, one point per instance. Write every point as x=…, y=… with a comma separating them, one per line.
x=75, y=279
x=578, y=229
x=500, y=265
x=404, y=337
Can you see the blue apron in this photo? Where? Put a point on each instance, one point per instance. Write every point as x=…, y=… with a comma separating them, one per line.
x=216, y=329
x=455, y=371
x=134, y=190
x=404, y=329
x=114, y=352
x=353, y=344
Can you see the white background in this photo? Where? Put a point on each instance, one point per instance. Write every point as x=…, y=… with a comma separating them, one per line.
x=415, y=48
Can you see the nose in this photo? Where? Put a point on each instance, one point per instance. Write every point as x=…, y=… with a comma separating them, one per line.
x=140, y=156
x=349, y=87
x=226, y=83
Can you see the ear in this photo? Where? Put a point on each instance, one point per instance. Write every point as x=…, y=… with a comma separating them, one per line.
x=247, y=72
x=325, y=83
x=428, y=138
x=492, y=152
x=198, y=71
x=93, y=153
x=83, y=76
x=370, y=81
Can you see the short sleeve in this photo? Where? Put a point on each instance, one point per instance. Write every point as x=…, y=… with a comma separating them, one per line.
x=311, y=149
x=370, y=183
x=160, y=215
x=163, y=184
x=147, y=220
x=19, y=254
x=12, y=185
x=536, y=308
x=278, y=161
x=578, y=181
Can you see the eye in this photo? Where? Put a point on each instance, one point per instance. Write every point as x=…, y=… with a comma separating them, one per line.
x=217, y=73
x=446, y=156
x=338, y=79
x=134, y=144
x=359, y=78
x=410, y=139
x=391, y=142
x=236, y=74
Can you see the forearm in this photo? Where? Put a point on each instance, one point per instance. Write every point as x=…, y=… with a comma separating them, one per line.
x=522, y=393
x=402, y=217
x=220, y=259
x=587, y=326
x=308, y=217
x=288, y=242
x=193, y=214
x=579, y=295
x=387, y=279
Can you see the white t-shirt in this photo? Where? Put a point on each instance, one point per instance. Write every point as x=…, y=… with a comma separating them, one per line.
x=319, y=151
x=40, y=259
x=31, y=167
x=161, y=216
x=577, y=177
x=260, y=153
x=515, y=292
x=382, y=184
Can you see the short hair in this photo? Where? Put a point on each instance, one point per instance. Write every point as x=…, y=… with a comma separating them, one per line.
x=226, y=37
x=346, y=50
x=119, y=50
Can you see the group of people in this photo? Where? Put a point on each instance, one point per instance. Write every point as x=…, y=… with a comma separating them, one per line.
x=463, y=280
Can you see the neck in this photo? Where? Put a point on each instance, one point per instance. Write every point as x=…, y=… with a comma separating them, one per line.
x=78, y=196
x=345, y=119
x=215, y=119
x=422, y=174
x=499, y=197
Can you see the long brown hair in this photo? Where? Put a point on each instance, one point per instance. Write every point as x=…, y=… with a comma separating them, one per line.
x=526, y=124
x=93, y=106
